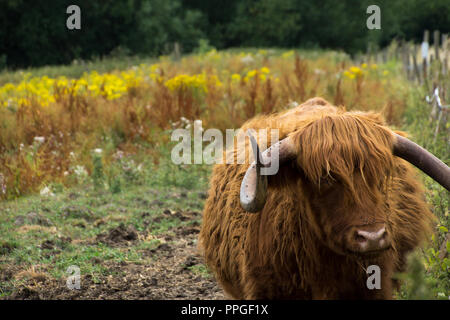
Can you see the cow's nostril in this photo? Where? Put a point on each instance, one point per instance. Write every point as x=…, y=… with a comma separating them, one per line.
x=359, y=238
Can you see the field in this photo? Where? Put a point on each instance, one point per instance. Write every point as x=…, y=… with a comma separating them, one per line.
x=86, y=177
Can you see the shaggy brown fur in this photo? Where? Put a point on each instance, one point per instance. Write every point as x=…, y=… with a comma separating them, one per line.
x=345, y=175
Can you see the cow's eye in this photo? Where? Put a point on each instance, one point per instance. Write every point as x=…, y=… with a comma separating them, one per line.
x=325, y=182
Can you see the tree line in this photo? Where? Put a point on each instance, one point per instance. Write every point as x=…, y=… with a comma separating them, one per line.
x=34, y=33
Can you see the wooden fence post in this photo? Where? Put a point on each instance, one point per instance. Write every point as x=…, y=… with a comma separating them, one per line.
x=445, y=52
x=384, y=55
x=416, y=67
x=425, y=45
x=176, y=51
x=436, y=44
x=406, y=60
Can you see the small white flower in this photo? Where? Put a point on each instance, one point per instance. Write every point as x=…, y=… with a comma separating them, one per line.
x=98, y=151
x=66, y=173
x=247, y=59
x=118, y=155
x=80, y=171
x=72, y=154
x=319, y=71
x=46, y=192
x=2, y=184
x=39, y=139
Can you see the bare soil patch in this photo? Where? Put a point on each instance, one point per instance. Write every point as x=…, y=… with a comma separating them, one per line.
x=171, y=274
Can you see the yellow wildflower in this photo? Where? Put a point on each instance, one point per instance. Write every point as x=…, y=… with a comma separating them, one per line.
x=251, y=73
x=265, y=70
x=287, y=54
x=235, y=77
x=349, y=75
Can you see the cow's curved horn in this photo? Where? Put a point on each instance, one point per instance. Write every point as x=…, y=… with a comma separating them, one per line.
x=422, y=159
x=254, y=185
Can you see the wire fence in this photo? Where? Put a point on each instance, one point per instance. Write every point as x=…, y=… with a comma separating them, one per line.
x=425, y=65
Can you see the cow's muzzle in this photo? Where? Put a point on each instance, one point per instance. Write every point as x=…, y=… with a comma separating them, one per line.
x=368, y=239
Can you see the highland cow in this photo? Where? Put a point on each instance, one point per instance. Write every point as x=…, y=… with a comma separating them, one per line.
x=345, y=197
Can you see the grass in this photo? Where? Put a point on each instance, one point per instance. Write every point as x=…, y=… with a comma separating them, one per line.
x=82, y=214
x=428, y=276
x=200, y=270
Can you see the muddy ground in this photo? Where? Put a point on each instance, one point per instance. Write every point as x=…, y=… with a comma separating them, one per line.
x=167, y=276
